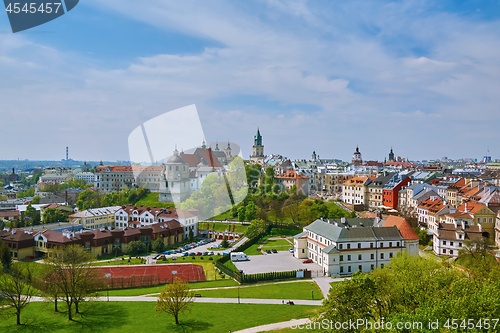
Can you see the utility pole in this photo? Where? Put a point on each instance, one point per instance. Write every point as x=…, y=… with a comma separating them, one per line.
x=238, y=294
x=312, y=290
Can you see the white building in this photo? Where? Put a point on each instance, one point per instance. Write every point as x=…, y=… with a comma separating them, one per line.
x=341, y=248
x=89, y=177
x=449, y=237
x=112, y=178
x=355, y=191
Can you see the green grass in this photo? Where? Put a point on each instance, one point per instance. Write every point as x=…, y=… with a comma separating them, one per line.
x=133, y=261
x=223, y=216
x=229, y=264
x=294, y=290
x=159, y=288
x=223, y=227
x=284, y=232
x=151, y=200
x=278, y=244
x=142, y=317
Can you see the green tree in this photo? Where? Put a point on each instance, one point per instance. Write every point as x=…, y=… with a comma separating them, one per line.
x=33, y=214
x=255, y=228
x=149, y=247
x=158, y=245
x=53, y=215
x=250, y=211
x=16, y=289
x=36, y=200
x=136, y=248
x=5, y=257
x=241, y=213
x=224, y=244
x=191, y=235
x=175, y=299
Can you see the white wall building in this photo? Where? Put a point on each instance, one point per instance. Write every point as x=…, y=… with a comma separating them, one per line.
x=89, y=177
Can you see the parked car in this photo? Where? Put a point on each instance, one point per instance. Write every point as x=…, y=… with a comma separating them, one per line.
x=205, y=253
x=290, y=250
x=275, y=251
x=211, y=253
x=185, y=254
x=192, y=254
x=268, y=251
x=155, y=256
x=166, y=252
x=199, y=253
x=307, y=261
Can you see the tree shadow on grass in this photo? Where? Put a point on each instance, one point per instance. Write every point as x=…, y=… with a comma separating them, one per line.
x=188, y=326
x=100, y=316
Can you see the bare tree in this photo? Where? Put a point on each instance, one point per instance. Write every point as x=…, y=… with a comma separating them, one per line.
x=16, y=289
x=476, y=246
x=73, y=278
x=175, y=299
x=409, y=213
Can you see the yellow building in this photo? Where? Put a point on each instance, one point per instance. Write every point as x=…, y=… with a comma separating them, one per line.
x=96, y=218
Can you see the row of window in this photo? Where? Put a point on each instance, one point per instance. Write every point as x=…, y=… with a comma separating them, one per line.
x=360, y=256
x=360, y=268
x=381, y=244
x=451, y=243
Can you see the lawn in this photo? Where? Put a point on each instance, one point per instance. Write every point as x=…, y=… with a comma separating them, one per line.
x=142, y=317
x=151, y=200
x=284, y=231
x=233, y=227
x=278, y=244
x=159, y=288
x=224, y=216
x=133, y=261
x=292, y=291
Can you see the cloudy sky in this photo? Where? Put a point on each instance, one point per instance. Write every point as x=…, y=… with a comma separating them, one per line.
x=420, y=76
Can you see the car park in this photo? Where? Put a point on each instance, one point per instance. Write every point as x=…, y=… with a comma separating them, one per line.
x=166, y=252
x=185, y=254
x=199, y=253
x=205, y=253
x=192, y=254
x=307, y=261
x=211, y=253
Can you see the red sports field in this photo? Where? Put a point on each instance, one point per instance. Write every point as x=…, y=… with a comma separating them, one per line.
x=142, y=275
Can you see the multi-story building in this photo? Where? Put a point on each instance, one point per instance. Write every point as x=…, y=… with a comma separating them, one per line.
x=291, y=178
x=375, y=190
x=19, y=242
x=96, y=218
x=390, y=191
x=352, y=245
x=88, y=177
x=482, y=216
x=355, y=191
x=112, y=178
x=449, y=237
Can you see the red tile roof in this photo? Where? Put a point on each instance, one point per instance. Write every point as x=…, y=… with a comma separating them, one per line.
x=472, y=207
x=292, y=174
x=404, y=227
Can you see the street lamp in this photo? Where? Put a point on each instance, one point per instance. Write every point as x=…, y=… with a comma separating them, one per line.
x=238, y=294
x=312, y=290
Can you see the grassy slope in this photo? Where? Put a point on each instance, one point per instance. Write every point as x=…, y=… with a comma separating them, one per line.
x=141, y=317
x=151, y=200
x=223, y=226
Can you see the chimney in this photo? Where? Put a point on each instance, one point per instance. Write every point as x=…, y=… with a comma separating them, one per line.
x=466, y=208
x=480, y=227
x=463, y=225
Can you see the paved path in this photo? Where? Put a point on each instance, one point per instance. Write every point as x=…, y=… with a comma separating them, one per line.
x=275, y=326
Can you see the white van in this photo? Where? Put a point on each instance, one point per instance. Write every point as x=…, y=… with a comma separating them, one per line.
x=238, y=256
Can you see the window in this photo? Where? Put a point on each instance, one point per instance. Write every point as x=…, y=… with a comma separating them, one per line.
x=348, y=257
x=381, y=256
x=390, y=255
x=349, y=269
x=451, y=251
x=341, y=269
x=381, y=244
x=360, y=268
x=359, y=245
x=372, y=256
x=451, y=243
x=348, y=246
x=382, y=265
x=459, y=244
x=340, y=246
x=341, y=258
x=371, y=245
x=390, y=244
x=444, y=242
x=360, y=257
x=397, y=244
x=479, y=220
x=444, y=251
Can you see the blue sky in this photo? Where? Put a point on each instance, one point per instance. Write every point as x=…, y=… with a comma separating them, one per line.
x=420, y=76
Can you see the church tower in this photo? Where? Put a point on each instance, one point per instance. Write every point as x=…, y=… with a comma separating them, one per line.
x=174, y=186
x=356, y=157
x=258, y=149
x=391, y=156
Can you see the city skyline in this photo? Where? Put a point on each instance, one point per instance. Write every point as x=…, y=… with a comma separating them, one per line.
x=322, y=76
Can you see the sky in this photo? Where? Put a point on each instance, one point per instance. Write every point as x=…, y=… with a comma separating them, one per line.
x=422, y=77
